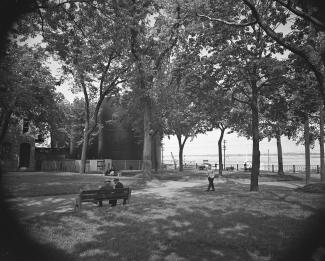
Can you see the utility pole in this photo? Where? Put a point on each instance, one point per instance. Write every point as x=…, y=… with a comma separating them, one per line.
x=162, y=154
x=268, y=160
x=224, y=154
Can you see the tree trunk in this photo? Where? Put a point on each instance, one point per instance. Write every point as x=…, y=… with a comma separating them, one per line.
x=256, y=142
x=180, y=157
x=147, y=165
x=52, y=139
x=154, y=153
x=280, y=159
x=180, y=153
x=307, y=150
x=4, y=125
x=321, y=141
x=73, y=141
x=84, y=149
x=157, y=157
x=100, y=144
x=220, y=150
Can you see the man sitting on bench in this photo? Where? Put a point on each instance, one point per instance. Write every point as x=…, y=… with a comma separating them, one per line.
x=118, y=185
x=107, y=186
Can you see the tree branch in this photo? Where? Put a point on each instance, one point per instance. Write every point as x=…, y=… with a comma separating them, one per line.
x=308, y=53
x=77, y=25
x=42, y=20
x=105, y=73
x=275, y=36
x=239, y=100
x=227, y=22
x=63, y=3
x=84, y=89
x=174, y=41
x=301, y=14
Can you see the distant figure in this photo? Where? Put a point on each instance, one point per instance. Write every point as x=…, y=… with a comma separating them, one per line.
x=111, y=172
x=210, y=179
x=118, y=185
x=107, y=186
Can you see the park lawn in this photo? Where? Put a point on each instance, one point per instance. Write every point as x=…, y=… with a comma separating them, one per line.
x=37, y=184
x=184, y=223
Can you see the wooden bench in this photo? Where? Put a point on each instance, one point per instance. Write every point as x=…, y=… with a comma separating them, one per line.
x=101, y=195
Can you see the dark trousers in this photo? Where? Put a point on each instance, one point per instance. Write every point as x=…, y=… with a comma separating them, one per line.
x=112, y=202
x=211, y=185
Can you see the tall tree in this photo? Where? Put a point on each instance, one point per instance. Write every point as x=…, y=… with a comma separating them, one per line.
x=213, y=100
x=307, y=31
x=276, y=112
x=303, y=104
x=183, y=117
x=252, y=70
x=154, y=27
x=90, y=39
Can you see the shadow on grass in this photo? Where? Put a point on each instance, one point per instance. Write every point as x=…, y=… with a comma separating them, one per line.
x=229, y=224
x=18, y=244
x=184, y=224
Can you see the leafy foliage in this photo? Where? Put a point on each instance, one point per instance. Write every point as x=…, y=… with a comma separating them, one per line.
x=26, y=87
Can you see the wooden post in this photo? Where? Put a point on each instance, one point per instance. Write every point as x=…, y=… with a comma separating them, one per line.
x=237, y=166
x=272, y=168
x=294, y=169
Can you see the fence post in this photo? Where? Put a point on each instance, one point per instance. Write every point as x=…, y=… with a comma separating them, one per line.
x=237, y=166
x=317, y=168
x=272, y=168
x=294, y=168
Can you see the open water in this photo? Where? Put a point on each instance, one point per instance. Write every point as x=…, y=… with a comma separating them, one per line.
x=297, y=159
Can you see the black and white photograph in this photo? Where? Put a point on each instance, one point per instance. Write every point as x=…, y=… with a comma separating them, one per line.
x=162, y=130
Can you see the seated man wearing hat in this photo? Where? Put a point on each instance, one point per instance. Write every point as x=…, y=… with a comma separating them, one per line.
x=107, y=186
x=118, y=184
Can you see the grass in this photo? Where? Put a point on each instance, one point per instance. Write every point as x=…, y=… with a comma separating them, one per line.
x=166, y=220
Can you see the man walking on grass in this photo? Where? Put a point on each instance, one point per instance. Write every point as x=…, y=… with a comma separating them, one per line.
x=210, y=179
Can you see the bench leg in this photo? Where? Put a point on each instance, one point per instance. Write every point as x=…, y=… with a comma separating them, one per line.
x=77, y=206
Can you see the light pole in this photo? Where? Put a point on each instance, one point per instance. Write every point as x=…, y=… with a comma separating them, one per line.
x=162, y=153
x=224, y=154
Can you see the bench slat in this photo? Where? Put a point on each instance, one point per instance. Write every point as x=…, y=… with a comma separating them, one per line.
x=91, y=195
